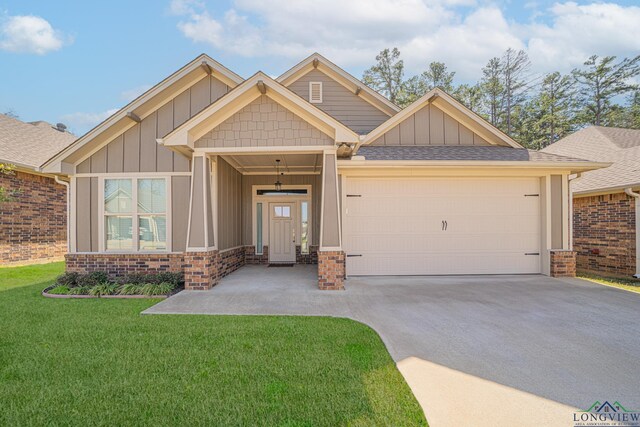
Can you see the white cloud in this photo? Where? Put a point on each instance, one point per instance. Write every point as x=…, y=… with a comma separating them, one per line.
x=80, y=123
x=29, y=34
x=461, y=33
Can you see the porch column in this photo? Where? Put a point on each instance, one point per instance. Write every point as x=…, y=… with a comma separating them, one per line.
x=201, y=260
x=331, y=258
x=559, y=258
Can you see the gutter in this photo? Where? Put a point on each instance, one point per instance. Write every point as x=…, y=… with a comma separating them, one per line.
x=629, y=191
x=66, y=184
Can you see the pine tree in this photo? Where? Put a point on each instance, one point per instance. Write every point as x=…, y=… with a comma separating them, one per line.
x=387, y=75
x=492, y=90
x=600, y=82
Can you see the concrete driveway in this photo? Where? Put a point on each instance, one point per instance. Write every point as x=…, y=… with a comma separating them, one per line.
x=494, y=350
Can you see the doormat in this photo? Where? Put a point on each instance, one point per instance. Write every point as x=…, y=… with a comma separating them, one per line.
x=281, y=265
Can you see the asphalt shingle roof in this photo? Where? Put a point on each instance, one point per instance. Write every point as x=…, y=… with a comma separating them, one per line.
x=601, y=144
x=453, y=152
x=30, y=144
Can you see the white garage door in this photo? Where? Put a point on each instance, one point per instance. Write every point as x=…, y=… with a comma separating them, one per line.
x=413, y=226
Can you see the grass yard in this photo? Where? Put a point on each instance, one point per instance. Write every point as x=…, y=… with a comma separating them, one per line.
x=99, y=362
x=627, y=284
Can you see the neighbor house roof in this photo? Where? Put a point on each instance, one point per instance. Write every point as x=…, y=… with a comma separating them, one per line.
x=618, y=146
x=29, y=145
x=453, y=152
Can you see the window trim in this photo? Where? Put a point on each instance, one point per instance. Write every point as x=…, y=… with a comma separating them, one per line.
x=102, y=241
x=311, y=100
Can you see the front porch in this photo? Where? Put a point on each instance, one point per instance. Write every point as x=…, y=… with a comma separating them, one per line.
x=252, y=207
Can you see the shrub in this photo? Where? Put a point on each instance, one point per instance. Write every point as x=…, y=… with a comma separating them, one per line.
x=157, y=288
x=59, y=290
x=130, y=289
x=69, y=279
x=103, y=289
x=176, y=279
x=79, y=290
x=134, y=279
x=92, y=279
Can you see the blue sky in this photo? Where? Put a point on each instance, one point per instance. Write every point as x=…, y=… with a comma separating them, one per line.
x=76, y=62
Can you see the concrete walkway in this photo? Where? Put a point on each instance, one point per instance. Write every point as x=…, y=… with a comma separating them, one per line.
x=476, y=350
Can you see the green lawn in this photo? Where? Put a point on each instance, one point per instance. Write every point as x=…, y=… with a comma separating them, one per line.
x=626, y=284
x=99, y=362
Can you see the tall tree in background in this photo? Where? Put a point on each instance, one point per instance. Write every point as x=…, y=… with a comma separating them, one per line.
x=470, y=96
x=387, y=75
x=437, y=75
x=515, y=69
x=602, y=80
x=634, y=110
x=550, y=111
x=5, y=169
x=492, y=89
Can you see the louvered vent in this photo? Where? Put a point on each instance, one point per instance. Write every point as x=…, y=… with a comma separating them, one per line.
x=315, y=92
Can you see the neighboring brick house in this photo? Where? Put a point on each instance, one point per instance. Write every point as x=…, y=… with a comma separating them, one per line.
x=606, y=204
x=33, y=224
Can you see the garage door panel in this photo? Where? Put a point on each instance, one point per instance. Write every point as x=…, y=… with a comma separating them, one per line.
x=394, y=226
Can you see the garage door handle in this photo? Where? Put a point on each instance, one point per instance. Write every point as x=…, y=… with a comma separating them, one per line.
x=532, y=253
x=352, y=255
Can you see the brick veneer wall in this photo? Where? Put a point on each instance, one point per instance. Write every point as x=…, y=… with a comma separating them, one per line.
x=331, y=270
x=604, y=234
x=231, y=260
x=250, y=256
x=33, y=226
x=118, y=265
x=201, y=270
x=563, y=263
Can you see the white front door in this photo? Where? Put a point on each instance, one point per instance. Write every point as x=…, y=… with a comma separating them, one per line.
x=282, y=241
x=398, y=226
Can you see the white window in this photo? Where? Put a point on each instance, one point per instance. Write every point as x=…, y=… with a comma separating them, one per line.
x=135, y=213
x=315, y=92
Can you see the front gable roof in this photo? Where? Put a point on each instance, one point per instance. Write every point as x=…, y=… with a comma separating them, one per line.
x=319, y=62
x=453, y=108
x=141, y=107
x=184, y=137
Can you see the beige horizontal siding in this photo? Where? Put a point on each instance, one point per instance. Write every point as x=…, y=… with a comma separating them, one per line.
x=340, y=103
x=429, y=126
x=264, y=123
x=136, y=150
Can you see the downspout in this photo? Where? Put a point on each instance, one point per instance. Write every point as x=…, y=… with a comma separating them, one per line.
x=66, y=184
x=629, y=191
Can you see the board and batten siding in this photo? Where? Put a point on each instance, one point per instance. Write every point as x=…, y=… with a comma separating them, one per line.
x=430, y=126
x=248, y=181
x=136, y=150
x=340, y=103
x=229, y=206
x=264, y=123
x=88, y=213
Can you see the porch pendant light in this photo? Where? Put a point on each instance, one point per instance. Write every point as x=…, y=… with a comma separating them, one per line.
x=278, y=184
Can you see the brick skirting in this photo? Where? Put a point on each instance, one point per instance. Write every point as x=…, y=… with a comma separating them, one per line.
x=231, y=260
x=201, y=270
x=250, y=256
x=563, y=263
x=33, y=225
x=331, y=270
x=118, y=265
x=604, y=234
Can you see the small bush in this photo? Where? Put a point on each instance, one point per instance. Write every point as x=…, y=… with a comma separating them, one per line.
x=176, y=279
x=92, y=279
x=59, y=290
x=103, y=289
x=134, y=279
x=68, y=279
x=150, y=289
x=130, y=289
x=79, y=290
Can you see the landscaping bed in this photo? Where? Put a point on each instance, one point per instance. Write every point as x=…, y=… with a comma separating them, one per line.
x=98, y=285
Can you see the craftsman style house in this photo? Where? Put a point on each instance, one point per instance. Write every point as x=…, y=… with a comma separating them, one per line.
x=208, y=171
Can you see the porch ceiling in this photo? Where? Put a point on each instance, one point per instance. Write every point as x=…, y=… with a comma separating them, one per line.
x=265, y=164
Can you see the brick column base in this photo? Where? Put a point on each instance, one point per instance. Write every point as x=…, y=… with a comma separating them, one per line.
x=563, y=263
x=331, y=270
x=201, y=270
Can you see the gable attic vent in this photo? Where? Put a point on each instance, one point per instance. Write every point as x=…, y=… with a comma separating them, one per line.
x=315, y=92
